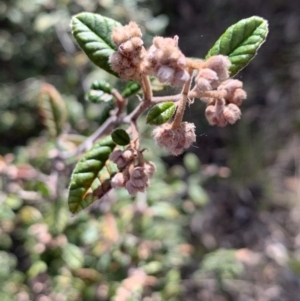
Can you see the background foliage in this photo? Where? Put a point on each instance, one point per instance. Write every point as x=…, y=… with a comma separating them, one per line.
x=225, y=224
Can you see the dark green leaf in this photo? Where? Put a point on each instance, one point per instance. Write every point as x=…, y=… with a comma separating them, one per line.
x=91, y=177
x=100, y=92
x=93, y=34
x=240, y=42
x=161, y=113
x=120, y=137
x=101, y=85
x=131, y=89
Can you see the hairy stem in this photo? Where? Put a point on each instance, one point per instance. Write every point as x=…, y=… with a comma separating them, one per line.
x=208, y=94
x=182, y=103
x=146, y=102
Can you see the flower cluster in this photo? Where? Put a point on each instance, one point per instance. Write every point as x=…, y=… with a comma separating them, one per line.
x=175, y=139
x=134, y=173
x=222, y=95
x=127, y=60
x=165, y=61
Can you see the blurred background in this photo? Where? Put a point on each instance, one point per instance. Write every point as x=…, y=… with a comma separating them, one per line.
x=225, y=225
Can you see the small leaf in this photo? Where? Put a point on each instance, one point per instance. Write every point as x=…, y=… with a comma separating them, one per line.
x=120, y=137
x=73, y=256
x=93, y=34
x=197, y=194
x=56, y=217
x=52, y=109
x=91, y=177
x=37, y=268
x=131, y=89
x=100, y=92
x=191, y=163
x=152, y=267
x=161, y=113
x=101, y=85
x=30, y=215
x=240, y=42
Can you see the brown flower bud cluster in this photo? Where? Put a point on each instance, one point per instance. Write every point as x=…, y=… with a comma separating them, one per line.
x=222, y=95
x=175, y=139
x=134, y=177
x=127, y=60
x=165, y=61
x=226, y=110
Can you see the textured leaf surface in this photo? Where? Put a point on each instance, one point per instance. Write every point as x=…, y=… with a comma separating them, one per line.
x=93, y=34
x=131, y=89
x=100, y=92
x=91, y=177
x=240, y=42
x=120, y=137
x=52, y=109
x=161, y=113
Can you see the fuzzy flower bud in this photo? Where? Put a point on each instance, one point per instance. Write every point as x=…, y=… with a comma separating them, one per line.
x=118, y=180
x=220, y=64
x=128, y=155
x=124, y=33
x=165, y=61
x=117, y=157
x=138, y=181
x=210, y=114
x=232, y=113
x=221, y=114
x=128, y=59
x=175, y=140
x=206, y=80
x=235, y=93
x=149, y=169
x=132, y=190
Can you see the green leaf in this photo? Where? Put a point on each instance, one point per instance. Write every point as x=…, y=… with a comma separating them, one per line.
x=222, y=262
x=93, y=34
x=37, y=268
x=91, y=177
x=120, y=137
x=131, y=89
x=100, y=92
x=101, y=85
x=191, y=163
x=73, y=256
x=240, y=42
x=30, y=215
x=161, y=113
x=197, y=194
x=56, y=217
x=52, y=109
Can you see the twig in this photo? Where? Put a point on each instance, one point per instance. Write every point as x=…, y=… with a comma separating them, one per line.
x=110, y=123
x=116, y=119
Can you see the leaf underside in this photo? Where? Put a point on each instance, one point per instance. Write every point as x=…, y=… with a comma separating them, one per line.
x=93, y=34
x=240, y=42
x=91, y=177
x=52, y=109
